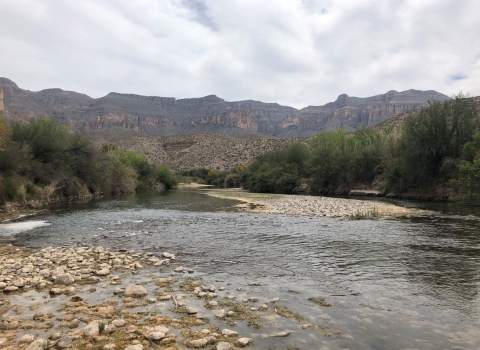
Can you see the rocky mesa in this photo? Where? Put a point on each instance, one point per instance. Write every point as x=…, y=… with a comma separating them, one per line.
x=129, y=114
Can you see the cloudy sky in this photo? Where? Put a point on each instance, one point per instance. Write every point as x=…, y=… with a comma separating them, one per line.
x=294, y=52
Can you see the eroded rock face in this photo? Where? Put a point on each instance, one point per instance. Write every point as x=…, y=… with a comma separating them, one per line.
x=129, y=113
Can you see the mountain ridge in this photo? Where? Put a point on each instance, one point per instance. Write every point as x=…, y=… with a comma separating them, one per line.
x=167, y=116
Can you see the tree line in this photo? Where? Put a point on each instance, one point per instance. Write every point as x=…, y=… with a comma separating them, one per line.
x=437, y=147
x=44, y=161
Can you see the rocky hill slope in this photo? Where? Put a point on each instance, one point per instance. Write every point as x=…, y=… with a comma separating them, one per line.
x=151, y=115
x=211, y=151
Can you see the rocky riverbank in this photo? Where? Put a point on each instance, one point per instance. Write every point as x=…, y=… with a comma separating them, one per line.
x=83, y=297
x=316, y=205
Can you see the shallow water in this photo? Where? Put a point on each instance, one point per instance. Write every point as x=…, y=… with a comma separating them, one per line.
x=410, y=283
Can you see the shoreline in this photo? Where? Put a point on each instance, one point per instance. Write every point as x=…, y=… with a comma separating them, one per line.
x=90, y=297
x=303, y=205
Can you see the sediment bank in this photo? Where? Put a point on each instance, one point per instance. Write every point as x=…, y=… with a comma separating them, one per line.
x=315, y=205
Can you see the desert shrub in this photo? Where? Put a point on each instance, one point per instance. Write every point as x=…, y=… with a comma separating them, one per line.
x=165, y=176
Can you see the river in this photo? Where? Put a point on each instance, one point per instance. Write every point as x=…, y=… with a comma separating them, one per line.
x=394, y=284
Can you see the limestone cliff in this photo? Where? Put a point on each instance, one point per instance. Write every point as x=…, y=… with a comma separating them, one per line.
x=154, y=115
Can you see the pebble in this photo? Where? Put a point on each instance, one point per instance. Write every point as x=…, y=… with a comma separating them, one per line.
x=220, y=313
x=155, y=336
x=91, y=330
x=179, y=269
x=39, y=344
x=229, y=333
x=223, y=345
x=280, y=334
x=244, y=341
x=119, y=323
x=198, y=343
x=192, y=311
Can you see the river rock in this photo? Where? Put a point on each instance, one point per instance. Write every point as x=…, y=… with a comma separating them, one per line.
x=212, y=303
x=65, y=279
x=229, y=333
x=119, y=323
x=168, y=255
x=3, y=342
x=39, y=344
x=162, y=329
x=26, y=339
x=42, y=315
x=65, y=342
x=155, y=336
x=192, y=311
x=179, y=269
x=134, y=347
x=109, y=328
x=223, y=345
x=109, y=347
x=10, y=289
x=92, y=329
x=242, y=342
x=280, y=334
x=198, y=343
x=220, y=313
x=135, y=290
x=3, y=285
x=102, y=272
x=19, y=282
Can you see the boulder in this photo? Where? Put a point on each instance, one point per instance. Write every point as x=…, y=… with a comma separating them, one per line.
x=26, y=339
x=92, y=329
x=135, y=290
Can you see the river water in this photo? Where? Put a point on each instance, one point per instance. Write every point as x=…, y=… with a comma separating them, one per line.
x=394, y=284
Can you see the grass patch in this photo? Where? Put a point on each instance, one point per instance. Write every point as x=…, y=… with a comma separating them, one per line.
x=190, y=284
x=285, y=312
x=319, y=301
x=166, y=284
x=242, y=313
x=368, y=214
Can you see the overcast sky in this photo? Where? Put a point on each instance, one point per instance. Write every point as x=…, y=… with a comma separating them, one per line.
x=294, y=52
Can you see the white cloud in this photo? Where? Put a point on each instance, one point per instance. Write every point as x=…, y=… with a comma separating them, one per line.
x=298, y=53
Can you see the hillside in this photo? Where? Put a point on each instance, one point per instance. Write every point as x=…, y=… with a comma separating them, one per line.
x=129, y=114
x=212, y=151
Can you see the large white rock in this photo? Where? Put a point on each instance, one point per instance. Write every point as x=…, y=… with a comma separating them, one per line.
x=229, y=333
x=26, y=339
x=244, y=341
x=92, y=329
x=156, y=336
x=135, y=290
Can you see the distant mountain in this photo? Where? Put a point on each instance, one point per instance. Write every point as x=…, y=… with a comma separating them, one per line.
x=136, y=114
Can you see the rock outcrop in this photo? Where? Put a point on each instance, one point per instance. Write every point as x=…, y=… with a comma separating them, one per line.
x=120, y=115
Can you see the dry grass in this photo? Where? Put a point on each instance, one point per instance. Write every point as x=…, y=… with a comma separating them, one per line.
x=285, y=312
